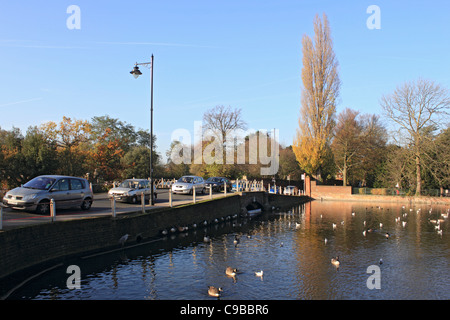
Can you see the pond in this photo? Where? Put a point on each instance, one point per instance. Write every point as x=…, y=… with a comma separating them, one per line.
x=386, y=251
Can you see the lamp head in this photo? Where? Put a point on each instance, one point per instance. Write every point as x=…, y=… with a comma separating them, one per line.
x=136, y=72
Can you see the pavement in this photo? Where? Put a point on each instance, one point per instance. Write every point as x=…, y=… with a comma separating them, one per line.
x=101, y=207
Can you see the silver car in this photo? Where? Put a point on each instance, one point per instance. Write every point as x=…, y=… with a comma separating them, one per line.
x=130, y=190
x=35, y=195
x=186, y=185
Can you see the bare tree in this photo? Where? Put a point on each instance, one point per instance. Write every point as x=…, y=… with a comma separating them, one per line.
x=320, y=92
x=221, y=121
x=415, y=107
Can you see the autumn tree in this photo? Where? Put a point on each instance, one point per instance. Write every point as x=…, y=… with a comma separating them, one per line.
x=357, y=142
x=320, y=91
x=71, y=138
x=414, y=108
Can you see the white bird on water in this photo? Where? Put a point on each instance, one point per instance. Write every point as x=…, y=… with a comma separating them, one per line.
x=259, y=273
x=123, y=239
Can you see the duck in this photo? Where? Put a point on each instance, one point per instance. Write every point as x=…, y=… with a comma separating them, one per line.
x=206, y=239
x=214, y=292
x=259, y=273
x=381, y=225
x=236, y=240
x=231, y=271
x=335, y=261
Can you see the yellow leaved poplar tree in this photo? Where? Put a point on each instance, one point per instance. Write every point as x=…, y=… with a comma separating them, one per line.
x=320, y=91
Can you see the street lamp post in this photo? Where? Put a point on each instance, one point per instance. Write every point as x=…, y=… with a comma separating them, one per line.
x=136, y=73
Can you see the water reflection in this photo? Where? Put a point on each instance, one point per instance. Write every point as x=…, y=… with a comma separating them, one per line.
x=289, y=247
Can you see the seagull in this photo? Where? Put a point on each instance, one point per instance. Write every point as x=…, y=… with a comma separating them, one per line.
x=123, y=239
x=334, y=226
x=364, y=233
x=206, y=239
x=381, y=225
x=259, y=273
x=387, y=235
x=403, y=223
x=214, y=292
x=326, y=240
x=297, y=225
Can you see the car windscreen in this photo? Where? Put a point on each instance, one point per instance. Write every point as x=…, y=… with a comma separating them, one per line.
x=186, y=179
x=129, y=184
x=213, y=180
x=40, y=183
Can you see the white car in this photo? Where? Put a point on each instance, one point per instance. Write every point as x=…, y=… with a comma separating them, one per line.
x=186, y=185
x=130, y=190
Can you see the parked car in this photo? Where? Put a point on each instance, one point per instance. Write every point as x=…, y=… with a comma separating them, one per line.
x=130, y=190
x=290, y=190
x=217, y=183
x=35, y=195
x=186, y=185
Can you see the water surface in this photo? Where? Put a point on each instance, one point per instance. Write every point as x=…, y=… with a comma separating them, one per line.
x=289, y=246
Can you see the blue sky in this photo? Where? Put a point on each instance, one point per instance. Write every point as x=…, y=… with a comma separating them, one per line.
x=243, y=54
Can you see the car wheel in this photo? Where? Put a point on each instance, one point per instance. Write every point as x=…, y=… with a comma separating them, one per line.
x=134, y=200
x=43, y=207
x=87, y=203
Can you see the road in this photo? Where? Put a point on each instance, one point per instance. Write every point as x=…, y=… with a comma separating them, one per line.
x=100, y=207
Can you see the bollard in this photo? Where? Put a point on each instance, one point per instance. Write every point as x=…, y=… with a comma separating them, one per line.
x=225, y=188
x=113, y=206
x=193, y=194
x=143, y=202
x=170, y=197
x=210, y=192
x=52, y=209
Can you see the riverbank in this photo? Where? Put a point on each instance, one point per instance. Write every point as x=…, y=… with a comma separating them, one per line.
x=31, y=249
x=380, y=198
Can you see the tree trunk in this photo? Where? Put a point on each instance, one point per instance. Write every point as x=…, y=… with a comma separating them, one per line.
x=344, y=173
x=419, y=180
